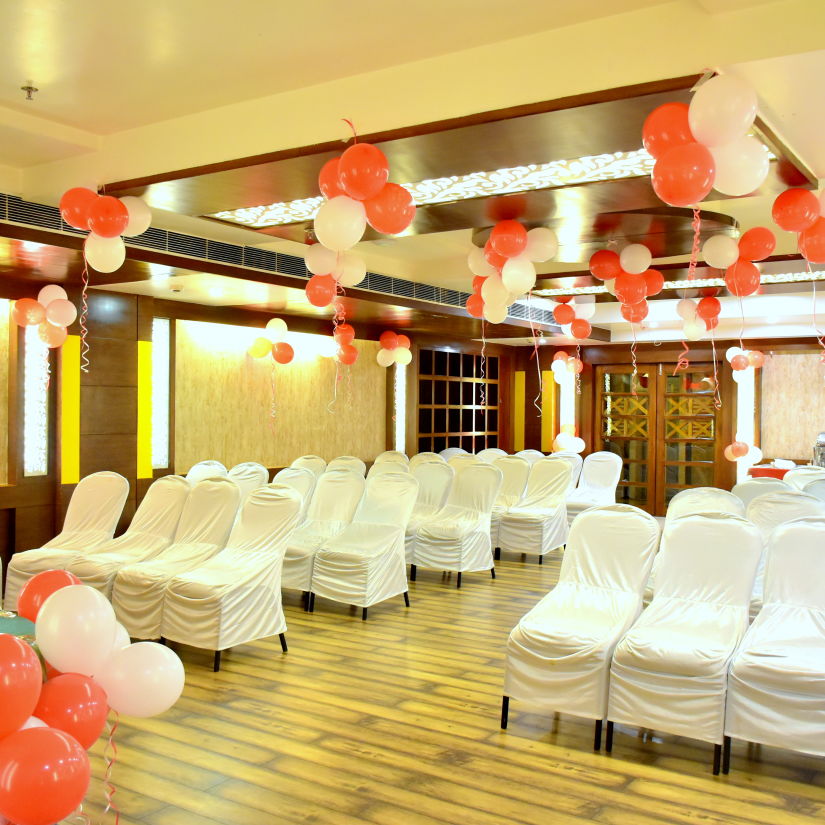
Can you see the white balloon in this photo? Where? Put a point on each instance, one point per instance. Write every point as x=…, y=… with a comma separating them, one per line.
x=494, y=293
x=340, y=223
x=50, y=293
x=720, y=251
x=694, y=330
x=142, y=680
x=730, y=352
x=542, y=244
x=402, y=355
x=635, y=258
x=385, y=357
x=104, y=254
x=754, y=455
x=76, y=630
x=276, y=330
x=140, y=216
x=321, y=261
x=479, y=265
x=686, y=309
x=121, y=637
x=33, y=722
x=578, y=445
x=558, y=366
x=610, y=286
x=495, y=313
x=565, y=441
x=353, y=269
x=518, y=275
x=567, y=329
x=737, y=375
x=741, y=166
x=722, y=110
x=585, y=306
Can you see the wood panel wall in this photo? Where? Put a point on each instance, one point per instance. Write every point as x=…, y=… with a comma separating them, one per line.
x=5, y=346
x=223, y=401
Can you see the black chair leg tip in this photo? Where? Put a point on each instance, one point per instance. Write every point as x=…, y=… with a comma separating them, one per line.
x=505, y=711
x=284, y=647
x=597, y=736
x=406, y=599
x=608, y=738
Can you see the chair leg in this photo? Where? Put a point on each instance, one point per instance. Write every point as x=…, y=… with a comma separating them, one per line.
x=364, y=614
x=305, y=600
x=717, y=759
x=597, y=736
x=458, y=581
x=311, y=605
x=497, y=554
x=541, y=559
x=492, y=572
x=282, y=637
x=216, y=666
x=726, y=755
x=608, y=738
x=406, y=599
x=412, y=572
x=505, y=711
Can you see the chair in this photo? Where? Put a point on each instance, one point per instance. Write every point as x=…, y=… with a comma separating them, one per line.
x=364, y=563
x=746, y=491
x=347, y=462
x=208, y=516
x=332, y=507
x=575, y=461
x=775, y=681
x=457, y=538
x=449, y=452
x=816, y=489
x=669, y=671
x=235, y=597
x=392, y=455
x=300, y=479
x=91, y=519
x=800, y=476
x=538, y=523
x=597, y=485
x=248, y=476
x=434, y=481
x=491, y=454
x=152, y=529
x=423, y=458
x=704, y=500
x=388, y=467
x=558, y=655
x=314, y=463
x=514, y=473
x=532, y=456
x=205, y=469
x=460, y=462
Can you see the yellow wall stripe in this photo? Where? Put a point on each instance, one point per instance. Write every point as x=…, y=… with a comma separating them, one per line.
x=518, y=412
x=70, y=410
x=144, y=410
x=548, y=410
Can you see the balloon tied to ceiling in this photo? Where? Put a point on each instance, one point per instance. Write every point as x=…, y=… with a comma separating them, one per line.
x=273, y=343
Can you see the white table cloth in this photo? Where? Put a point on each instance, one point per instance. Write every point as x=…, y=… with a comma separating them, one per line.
x=514, y=473
x=597, y=484
x=434, y=481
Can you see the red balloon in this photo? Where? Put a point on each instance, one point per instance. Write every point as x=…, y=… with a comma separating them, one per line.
x=742, y=278
x=478, y=282
x=475, y=305
x=580, y=328
x=794, y=210
x=21, y=678
x=347, y=354
x=75, y=206
x=493, y=258
x=560, y=355
x=564, y=299
x=665, y=127
x=328, y=179
x=44, y=775
x=812, y=242
x=756, y=244
x=630, y=289
x=708, y=308
x=711, y=323
x=320, y=290
x=739, y=449
x=684, y=175
x=108, y=217
x=27, y=312
x=403, y=341
x=282, y=352
x=564, y=314
x=391, y=211
x=605, y=265
x=728, y=454
x=51, y=335
x=344, y=334
x=75, y=704
x=578, y=364
x=739, y=362
x=508, y=238
x=38, y=588
x=388, y=339
x=654, y=281
x=363, y=171
x=634, y=313
x=756, y=358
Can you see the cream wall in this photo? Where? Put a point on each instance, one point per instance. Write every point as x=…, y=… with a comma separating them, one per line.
x=223, y=400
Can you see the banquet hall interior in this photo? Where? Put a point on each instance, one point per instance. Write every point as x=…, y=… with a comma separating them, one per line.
x=412, y=413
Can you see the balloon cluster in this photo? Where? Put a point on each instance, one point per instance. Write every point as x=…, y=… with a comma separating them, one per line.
x=633, y=282
x=55, y=704
x=565, y=364
x=564, y=313
x=51, y=313
x=737, y=257
x=706, y=145
x=740, y=359
x=505, y=269
x=799, y=210
x=742, y=450
x=395, y=349
x=272, y=342
x=699, y=316
x=107, y=219
x=344, y=335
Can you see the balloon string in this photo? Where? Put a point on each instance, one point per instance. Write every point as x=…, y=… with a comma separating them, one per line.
x=682, y=360
x=110, y=763
x=351, y=126
x=633, y=360
x=694, y=252
x=84, y=315
x=717, y=398
x=47, y=367
x=273, y=408
x=483, y=366
x=742, y=327
x=578, y=374
x=331, y=405
x=537, y=399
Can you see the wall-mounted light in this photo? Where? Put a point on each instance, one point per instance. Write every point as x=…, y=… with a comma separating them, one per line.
x=400, y=407
x=35, y=404
x=160, y=392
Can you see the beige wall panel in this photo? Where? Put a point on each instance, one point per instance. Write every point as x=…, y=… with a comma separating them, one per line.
x=793, y=404
x=5, y=309
x=223, y=399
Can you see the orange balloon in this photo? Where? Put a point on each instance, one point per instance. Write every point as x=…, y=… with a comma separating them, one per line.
x=51, y=335
x=344, y=334
x=654, y=281
x=403, y=341
x=605, y=265
x=666, y=127
x=739, y=449
x=388, y=339
x=328, y=179
x=28, y=313
x=347, y=354
x=739, y=362
x=564, y=314
x=794, y=210
x=756, y=358
x=580, y=328
x=508, y=238
x=684, y=174
x=283, y=352
x=560, y=355
x=475, y=305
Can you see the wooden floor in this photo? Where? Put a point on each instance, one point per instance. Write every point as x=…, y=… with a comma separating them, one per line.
x=395, y=721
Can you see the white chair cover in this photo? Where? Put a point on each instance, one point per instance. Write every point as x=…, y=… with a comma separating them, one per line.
x=388, y=466
x=423, y=458
x=558, y=656
x=800, y=476
x=434, y=481
x=491, y=454
x=91, y=518
x=538, y=523
x=452, y=451
x=575, y=461
x=235, y=597
x=300, y=479
x=597, y=485
x=314, y=463
x=514, y=473
x=332, y=507
x=816, y=489
x=669, y=672
x=392, y=455
x=347, y=462
x=775, y=682
x=364, y=563
x=152, y=529
x=750, y=488
x=704, y=500
x=248, y=476
x=458, y=536
x=205, y=469
x=207, y=518
x=460, y=462
x=530, y=455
